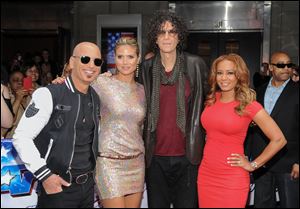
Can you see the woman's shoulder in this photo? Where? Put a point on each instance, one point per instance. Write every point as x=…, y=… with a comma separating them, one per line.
x=139, y=85
x=254, y=104
x=101, y=79
x=253, y=107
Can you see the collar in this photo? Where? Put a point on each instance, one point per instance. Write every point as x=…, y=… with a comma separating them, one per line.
x=282, y=86
x=69, y=83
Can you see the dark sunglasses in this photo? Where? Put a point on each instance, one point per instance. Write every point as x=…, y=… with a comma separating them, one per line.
x=172, y=32
x=280, y=65
x=86, y=59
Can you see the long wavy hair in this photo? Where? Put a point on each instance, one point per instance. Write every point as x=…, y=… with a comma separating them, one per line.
x=155, y=24
x=243, y=93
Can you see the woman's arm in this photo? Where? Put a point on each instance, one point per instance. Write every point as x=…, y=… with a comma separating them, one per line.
x=6, y=115
x=273, y=133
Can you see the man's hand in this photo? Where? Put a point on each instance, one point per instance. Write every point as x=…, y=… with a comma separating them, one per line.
x=107, y=74
x=295, y=171
x=59, y=80
x=54, y=183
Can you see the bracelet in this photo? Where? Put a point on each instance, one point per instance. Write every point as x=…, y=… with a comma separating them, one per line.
x=253, y=164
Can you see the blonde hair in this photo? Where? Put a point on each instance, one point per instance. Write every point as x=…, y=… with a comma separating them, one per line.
x=243, y=93
x=128, y=41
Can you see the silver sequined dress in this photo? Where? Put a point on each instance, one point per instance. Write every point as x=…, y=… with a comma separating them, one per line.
x=122, y=111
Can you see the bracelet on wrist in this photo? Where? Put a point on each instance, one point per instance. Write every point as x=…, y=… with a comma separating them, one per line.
x=254, y=165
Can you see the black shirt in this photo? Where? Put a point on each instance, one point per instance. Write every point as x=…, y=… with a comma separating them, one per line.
x=83, y=159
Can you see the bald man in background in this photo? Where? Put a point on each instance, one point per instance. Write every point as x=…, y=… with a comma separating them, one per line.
x=280, y=98
x=57, y=137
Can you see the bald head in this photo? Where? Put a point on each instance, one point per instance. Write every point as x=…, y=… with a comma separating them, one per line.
x=278, y=56
x=85, y=46
x=84, y=63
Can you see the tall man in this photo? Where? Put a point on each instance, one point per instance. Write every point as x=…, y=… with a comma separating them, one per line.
x=280, y=98
x=174, y=84
x=57, y=137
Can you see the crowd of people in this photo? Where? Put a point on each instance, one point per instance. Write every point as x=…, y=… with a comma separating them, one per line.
x=165, y=120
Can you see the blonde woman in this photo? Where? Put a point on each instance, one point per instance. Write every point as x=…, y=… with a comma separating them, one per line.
x=223, y=177
x=121, y=167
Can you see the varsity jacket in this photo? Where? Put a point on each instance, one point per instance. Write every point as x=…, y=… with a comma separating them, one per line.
x=45, y=136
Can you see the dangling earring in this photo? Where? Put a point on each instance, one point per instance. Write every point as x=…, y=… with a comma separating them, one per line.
x=137, y=71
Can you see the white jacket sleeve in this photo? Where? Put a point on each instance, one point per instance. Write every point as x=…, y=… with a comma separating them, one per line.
x=34, y=119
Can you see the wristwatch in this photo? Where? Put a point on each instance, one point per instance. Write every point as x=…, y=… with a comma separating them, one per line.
x=254, y=164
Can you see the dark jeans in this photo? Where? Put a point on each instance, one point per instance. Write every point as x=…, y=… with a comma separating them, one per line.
x=266, y=183
x=74, y=196
x=172, y=180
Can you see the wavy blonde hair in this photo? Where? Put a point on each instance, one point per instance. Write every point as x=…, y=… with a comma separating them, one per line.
x=243, y=93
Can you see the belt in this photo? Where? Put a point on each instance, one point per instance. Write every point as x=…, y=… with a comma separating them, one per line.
x=82, y=178
x=119, y=157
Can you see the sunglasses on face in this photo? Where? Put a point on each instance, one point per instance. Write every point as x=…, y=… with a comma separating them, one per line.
x=281, y=65
x=86, y=59
x=172, y=32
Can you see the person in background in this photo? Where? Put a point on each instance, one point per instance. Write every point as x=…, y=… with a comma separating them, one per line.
x=280, y=98
x=175, y=86
x=295, y=74
x=6, y=114
x=261, y=77
x=17, y=62
x=57, y=136
x=31, y=70
x=20, y=98
x=49, y=65
x=66, y=70
x=149, y=55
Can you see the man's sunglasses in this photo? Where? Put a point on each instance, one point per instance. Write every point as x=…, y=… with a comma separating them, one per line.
x=280, y=65
x=86, y=59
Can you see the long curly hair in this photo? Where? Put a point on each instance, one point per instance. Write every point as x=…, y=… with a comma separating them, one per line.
x=155, y=24
x=243, y=93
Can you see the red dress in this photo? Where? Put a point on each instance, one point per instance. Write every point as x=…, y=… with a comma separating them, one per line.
x=221, y=185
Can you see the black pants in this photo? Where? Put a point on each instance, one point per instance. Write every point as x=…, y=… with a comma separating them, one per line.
x=171, y=180
x=266, y=183
x=74, y=196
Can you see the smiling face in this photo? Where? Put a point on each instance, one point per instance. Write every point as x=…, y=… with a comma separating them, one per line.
x=226, y=76
x=126, y=59
x=84, y=74
x=167, y=39
x=16, y=81
x=33, y=73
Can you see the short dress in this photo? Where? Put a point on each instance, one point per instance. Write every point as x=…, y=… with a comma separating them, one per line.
x=219, y=184
x=120, y=168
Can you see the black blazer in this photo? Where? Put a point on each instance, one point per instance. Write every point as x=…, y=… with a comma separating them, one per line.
x=286, y=115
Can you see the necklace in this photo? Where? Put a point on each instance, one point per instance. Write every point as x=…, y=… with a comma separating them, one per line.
x=85, y=110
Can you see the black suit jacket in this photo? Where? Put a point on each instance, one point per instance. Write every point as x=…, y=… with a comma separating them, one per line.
x=286, y=115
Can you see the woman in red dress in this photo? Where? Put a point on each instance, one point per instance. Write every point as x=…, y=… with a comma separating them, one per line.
x=223, y=176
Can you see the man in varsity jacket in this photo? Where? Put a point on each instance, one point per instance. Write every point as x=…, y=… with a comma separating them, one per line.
x=57, y=137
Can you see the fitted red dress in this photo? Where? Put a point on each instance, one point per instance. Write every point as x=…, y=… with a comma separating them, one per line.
x=221, y=185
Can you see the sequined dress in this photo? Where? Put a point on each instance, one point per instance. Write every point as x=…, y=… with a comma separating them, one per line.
x=120, y=168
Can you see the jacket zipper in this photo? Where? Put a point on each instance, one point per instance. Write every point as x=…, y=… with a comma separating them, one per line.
x=74, y=139
x=95, y=130
x=49, y=149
